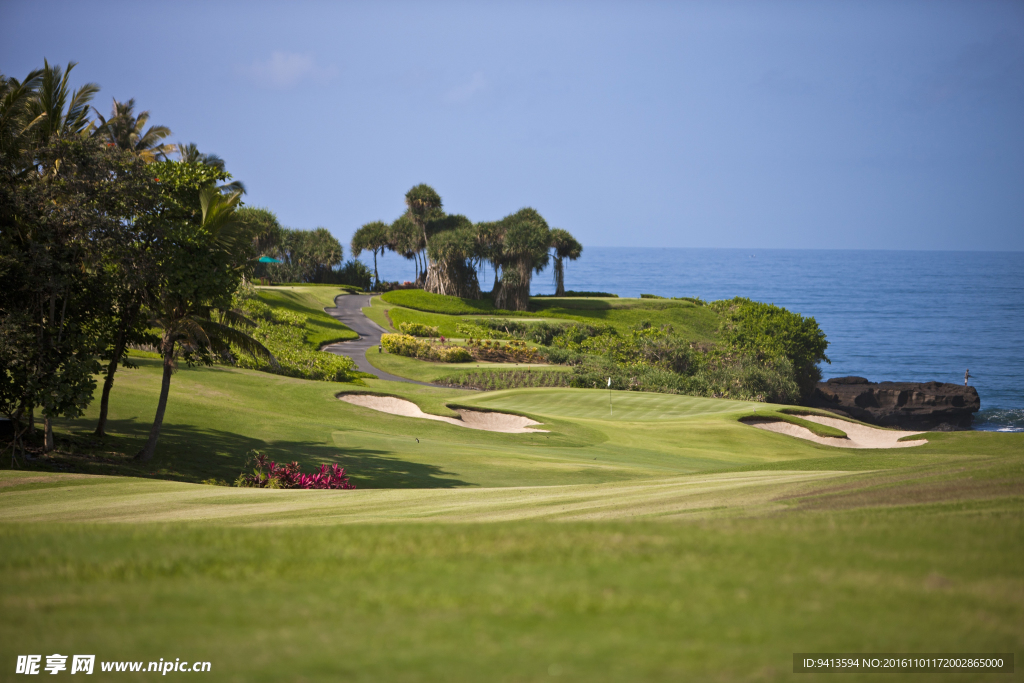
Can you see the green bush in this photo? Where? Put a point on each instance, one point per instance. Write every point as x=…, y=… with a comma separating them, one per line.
x=470, y=331
x=418, y=330
x=770, y=333
x=284, y=333
x=495, y=380
x=407, y=345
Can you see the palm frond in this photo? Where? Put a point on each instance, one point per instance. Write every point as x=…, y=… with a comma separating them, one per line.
x=191, y=332
x=243, y=341
x=235, y=318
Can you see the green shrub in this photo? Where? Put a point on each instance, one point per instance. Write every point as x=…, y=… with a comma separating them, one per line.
x=769, y=333
x=400, y=344
x=495, y=380
x=418, y=330
x=284, y=333
x=407, y=345
x=470, y=331
x=651, y=296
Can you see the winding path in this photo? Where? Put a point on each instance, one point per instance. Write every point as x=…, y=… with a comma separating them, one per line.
x=348, y=309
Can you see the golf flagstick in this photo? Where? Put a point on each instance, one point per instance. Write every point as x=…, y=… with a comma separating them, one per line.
x=610, y=411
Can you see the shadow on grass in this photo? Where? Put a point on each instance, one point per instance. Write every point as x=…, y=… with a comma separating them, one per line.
x=185, y=453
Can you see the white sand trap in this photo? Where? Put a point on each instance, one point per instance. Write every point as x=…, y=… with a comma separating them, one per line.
x=473, y=419
x=859, y=436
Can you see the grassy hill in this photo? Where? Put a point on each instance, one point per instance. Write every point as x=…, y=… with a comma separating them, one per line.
x=657, y=538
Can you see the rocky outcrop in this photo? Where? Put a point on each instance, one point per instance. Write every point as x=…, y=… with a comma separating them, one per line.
x=909, y=405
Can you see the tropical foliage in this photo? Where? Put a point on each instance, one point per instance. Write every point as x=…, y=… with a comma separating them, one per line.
x=264, y=473
x=407, y=345
x=449, y=249
x=106, y=245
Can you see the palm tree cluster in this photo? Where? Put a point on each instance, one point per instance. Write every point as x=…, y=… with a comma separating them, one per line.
x=448, y=249
x=102, y=240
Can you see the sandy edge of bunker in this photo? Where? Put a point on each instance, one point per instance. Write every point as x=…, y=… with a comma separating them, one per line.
x=471, y=419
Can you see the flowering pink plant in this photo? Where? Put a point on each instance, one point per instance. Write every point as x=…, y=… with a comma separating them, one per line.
x=267, y=474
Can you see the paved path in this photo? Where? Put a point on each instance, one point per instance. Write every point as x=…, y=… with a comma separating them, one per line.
x=348, y=309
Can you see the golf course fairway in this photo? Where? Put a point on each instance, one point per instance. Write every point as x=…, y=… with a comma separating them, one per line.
x=657, y=538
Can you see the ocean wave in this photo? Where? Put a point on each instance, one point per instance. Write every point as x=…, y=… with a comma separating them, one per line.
x=1000, y=420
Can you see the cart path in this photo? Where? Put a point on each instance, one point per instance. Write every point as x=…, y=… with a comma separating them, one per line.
x=348, y=309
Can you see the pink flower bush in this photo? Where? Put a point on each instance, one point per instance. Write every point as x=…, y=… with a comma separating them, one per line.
x=267, y=474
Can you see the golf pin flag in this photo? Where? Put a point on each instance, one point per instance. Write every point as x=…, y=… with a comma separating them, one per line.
x=609, y=382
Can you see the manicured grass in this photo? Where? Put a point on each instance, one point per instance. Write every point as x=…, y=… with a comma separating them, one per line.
x=658, y=540
x=436, y=303
x=377, y=311
x=447, y=325
x=726, y=599
x=691, y=322
x=310, y=301
x=216, y=415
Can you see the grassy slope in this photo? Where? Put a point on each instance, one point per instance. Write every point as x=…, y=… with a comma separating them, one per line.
x=377, y=312
x=722, y=599
x=695, y=323
x=215, y=415
x=919, y=551
x=310, y=301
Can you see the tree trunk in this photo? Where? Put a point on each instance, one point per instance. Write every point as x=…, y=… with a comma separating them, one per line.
x=47, y=435
x=149, y=449
x=376, y=278
x=108, y=382
x=559, y=277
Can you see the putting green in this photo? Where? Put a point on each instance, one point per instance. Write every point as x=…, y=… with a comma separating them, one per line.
x=621, y=406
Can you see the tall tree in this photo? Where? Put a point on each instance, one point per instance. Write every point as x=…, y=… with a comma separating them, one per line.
x=127, y=130
x=524, y=252
x=372, y=237
x=565, y=246
x=193, y=304
x=424, y=208
x=16, y=119
x=452, y=251
x=406, y=239
x=57, y=227
x=57, y=110
x=490, y=237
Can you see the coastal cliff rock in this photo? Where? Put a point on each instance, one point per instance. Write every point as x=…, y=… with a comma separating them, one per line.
x=909, y=405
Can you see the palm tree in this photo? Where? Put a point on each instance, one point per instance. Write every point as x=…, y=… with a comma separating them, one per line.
x=16, y=121
x=405, y=238
x=453, y=252
x=126, y=130
x=55, y=109
x=190, y=325
x=524, y=252
x=424, y=208
x=566, y=247
x=372, y=237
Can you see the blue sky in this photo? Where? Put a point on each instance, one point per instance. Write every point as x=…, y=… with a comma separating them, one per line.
x=864, y=125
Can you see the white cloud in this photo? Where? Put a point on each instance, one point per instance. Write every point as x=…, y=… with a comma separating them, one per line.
x=462, y=93
x=286, y=69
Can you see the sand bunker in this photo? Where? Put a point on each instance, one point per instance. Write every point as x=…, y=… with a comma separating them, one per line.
x=859, y=436
x=473, y=419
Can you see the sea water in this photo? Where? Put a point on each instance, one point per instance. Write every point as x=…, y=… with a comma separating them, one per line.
x=913, y=316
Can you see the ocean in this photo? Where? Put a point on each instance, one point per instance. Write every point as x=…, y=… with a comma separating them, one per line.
x=913, y=316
